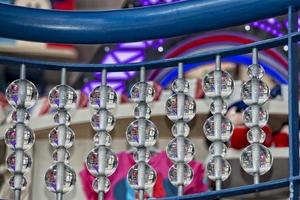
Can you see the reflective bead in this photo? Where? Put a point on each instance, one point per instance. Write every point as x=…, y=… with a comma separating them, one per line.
x=209, y=84
x=259, y=153
x=188, y=107
x=102, y=138
x=251, y=119
x=66, y=156
x=93, y=163
x=21, y=93
x=103, y=120
x=150, y=177
x=62, y=96
x=187, y=175
x=256, y=134
x=218, y=168
x=12, y=183
x=180, y=85
x=68, y=139
x=226, y=129
x=11, y=163
x=255, y=70
x=137, y=89
x=110, y=95
x=136, y=155
x=213, y=108
x=213, y=149
x=188, y=147
x=11, y=137
x=20, y=115
x=251, y=97
x=51, y=177
x=180, y=128
x=99, y=186
x=142, y=110
x=151, y=133
x=62, y=117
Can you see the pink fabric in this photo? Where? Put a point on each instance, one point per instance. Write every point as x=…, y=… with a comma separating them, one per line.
x=159, y=162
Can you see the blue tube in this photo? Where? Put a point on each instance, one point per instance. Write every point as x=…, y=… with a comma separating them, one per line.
x=200, y=57
x=136, y=24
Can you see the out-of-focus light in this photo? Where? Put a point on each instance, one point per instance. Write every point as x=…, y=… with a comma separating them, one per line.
x=247, y=28
x=160, y=49
x=106, y=49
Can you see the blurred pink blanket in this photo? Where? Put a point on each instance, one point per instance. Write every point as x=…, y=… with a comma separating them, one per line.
x=162, y=188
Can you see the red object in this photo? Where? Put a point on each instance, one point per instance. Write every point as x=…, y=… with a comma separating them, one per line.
x=158, y=91
x=124, y=98
x=62, y=5
x=3, y=100
x=159, y=191
x=269, y=136
x=45, y=108
x=281, y=139
x=83, y=100
x=239, y=137
x=199, y=90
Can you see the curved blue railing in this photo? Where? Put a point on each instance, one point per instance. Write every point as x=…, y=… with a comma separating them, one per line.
x=164, y=21
x=164, y=63
x=129, y=24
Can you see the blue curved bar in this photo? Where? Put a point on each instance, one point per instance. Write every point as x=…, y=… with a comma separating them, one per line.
x=205, y=56
x=136, y=24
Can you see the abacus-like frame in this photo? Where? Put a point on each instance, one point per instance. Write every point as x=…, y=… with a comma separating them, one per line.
x=167, y=20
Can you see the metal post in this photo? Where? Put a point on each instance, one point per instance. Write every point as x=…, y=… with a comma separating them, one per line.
x=20, y=138
x=102, y=149
x=23, y=72
x=61, y=151
x=255, y=111
x=180, y=137
x=17, y=194
x=218, y=123
x=293, y=108
x=104, y=77
x=141, y=134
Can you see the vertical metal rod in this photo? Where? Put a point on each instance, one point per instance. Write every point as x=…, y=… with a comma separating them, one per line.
x=59, y=196
x=102, y=149
x=61, y=140
x=23, y=72
x=63, y=76
x=141, y=194
x=256, y=178
x=255, y=111
x=142, y=74
x=218, y=62
x=101, y=169
x=20, y=138
x=101, y=195
x=17, y=194
x=141, y=131
x=104, y=77
x=180, y=137
x=180, y=70
x=180, y=190
x=254, y=56
x=218, y=184
x=293, y=108
x=218, y=119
